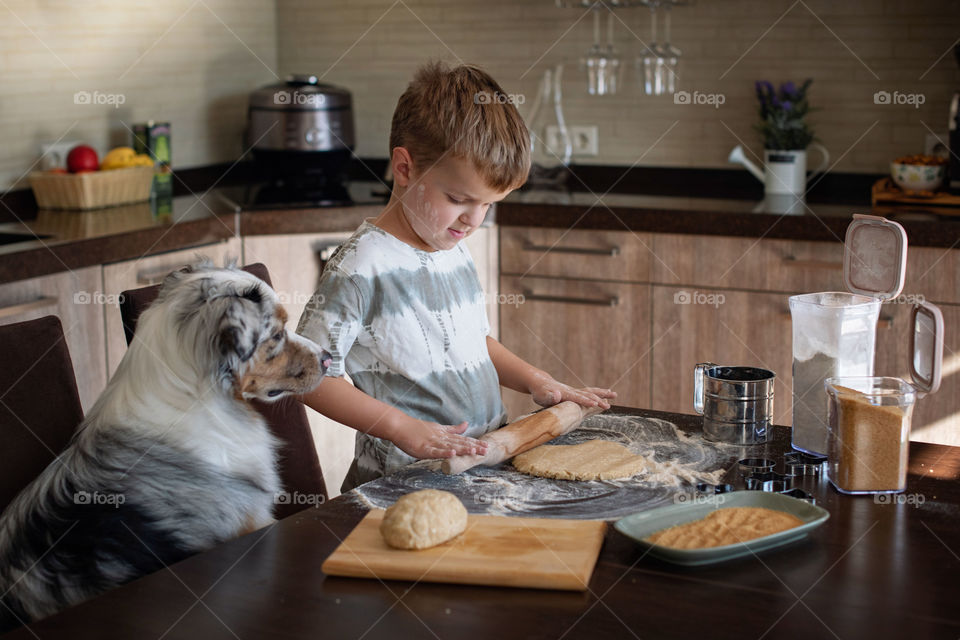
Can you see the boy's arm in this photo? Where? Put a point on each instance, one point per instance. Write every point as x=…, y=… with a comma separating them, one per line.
x=341, y=401
x=519, y=375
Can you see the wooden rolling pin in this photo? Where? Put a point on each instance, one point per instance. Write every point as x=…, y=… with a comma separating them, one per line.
x=523, y=434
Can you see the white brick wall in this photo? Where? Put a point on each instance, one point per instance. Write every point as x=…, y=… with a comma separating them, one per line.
x=898, y=40
x=193, y=63
x=172, y=61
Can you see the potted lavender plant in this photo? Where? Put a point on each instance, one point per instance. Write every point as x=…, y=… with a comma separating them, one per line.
x=786, y=137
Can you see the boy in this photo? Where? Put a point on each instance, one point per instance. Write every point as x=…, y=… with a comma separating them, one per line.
x=400, y=307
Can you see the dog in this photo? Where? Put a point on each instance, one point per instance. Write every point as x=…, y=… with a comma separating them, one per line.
x=172, y=459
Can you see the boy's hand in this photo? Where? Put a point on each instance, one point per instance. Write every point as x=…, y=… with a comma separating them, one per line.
x=422, y=439
x=549, y=392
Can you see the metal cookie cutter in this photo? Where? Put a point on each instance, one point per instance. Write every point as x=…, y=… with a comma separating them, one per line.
x=803, y=464
x=706, y=488
x=750, y=466
x=801, y=495
x=769, y=481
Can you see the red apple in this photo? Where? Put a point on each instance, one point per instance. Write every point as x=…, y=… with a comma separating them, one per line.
x=82, y=158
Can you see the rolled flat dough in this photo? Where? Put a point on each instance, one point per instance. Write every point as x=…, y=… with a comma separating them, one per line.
x=593, y=460
x=423, y=519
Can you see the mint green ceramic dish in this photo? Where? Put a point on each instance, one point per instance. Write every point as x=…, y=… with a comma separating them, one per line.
x=641, y=525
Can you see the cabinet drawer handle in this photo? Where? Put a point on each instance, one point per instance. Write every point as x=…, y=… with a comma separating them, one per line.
x=609, y=301
x=792, y=261
x=21, y=308
x=587, y=251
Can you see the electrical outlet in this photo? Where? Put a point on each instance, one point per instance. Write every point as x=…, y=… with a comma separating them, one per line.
x=583, y=139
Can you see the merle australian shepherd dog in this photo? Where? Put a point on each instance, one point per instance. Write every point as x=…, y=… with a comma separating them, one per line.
x=172, y=459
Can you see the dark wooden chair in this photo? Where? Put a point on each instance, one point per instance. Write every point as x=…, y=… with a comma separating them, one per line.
x=39, y=404
x=299, y=465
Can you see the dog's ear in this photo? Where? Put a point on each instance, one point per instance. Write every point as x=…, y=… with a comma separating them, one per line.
x=176, y=276
x=200, y=263
x=239, y=329
x=241, y=323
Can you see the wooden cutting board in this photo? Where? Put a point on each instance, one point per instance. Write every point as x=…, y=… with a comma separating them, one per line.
x=540, y=553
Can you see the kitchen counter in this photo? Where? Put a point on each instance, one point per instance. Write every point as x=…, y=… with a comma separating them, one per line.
x=879, y=567
x=72, y=240
x=771, y=218
x=57, y=241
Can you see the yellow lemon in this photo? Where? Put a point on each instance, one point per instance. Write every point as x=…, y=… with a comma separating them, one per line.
x=123, y=157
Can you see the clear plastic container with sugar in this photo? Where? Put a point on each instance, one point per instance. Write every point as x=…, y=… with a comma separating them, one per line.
x=869, y=433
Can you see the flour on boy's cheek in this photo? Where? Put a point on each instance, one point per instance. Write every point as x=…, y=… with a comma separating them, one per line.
x=425, y=218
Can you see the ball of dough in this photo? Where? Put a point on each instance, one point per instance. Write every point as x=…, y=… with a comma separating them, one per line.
x=423, y=519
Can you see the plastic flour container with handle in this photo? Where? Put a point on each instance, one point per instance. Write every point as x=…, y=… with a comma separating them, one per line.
x=834, y=332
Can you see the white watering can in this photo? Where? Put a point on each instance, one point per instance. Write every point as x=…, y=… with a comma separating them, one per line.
x=786, y=171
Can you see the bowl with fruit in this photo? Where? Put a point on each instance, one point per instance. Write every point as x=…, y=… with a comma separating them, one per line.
x=919, y=173
x=87, y=182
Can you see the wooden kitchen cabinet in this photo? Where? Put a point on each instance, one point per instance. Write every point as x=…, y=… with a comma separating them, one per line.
x=720, y=262
x=934, y=273
x=141, y=272
x=566, y=253
x=484, y=247
x=77, y=298
x=584, y=333
x=726, y=328
x=752, y=326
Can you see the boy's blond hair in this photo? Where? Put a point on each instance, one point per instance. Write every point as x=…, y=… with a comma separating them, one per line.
x=462, y=112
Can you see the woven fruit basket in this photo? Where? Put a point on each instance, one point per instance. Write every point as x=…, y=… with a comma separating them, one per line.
x=92, y=189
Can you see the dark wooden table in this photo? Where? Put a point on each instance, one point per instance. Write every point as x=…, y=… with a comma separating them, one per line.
x=885, y=568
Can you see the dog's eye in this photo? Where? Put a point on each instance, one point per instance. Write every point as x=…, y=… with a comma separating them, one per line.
x=278, y=336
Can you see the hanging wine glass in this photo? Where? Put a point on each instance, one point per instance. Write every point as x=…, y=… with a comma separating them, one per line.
x=670, y=54
x=602, y=63
x=650, y=62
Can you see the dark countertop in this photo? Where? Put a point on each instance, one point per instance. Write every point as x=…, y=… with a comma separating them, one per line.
x=72, y=240
x=925, y=226
x=56, y=241
x=881, y=567
x=60, y=240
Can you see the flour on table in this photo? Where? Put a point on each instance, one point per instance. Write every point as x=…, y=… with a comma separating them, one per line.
x=675, y=461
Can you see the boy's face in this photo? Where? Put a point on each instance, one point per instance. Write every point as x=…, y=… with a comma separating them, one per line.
x=446, y=202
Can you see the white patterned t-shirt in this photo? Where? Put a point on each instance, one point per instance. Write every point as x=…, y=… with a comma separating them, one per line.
x=409, y=327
